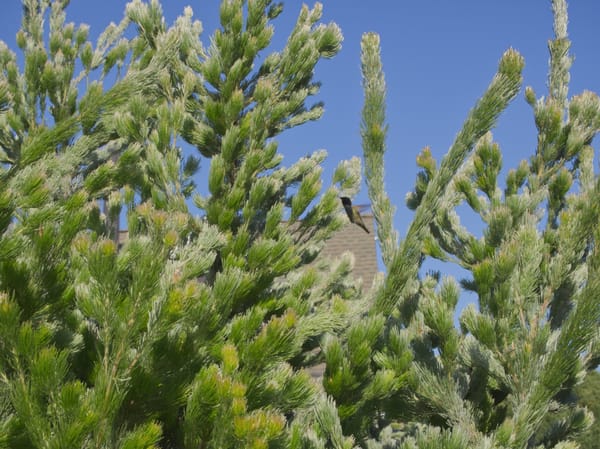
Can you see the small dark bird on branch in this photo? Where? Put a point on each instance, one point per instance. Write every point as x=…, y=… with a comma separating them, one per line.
x=353, y=213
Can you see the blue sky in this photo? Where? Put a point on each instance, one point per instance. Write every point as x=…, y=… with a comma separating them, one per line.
x=438, y=57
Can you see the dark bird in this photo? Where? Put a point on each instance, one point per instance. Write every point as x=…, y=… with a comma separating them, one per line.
x=353, y=213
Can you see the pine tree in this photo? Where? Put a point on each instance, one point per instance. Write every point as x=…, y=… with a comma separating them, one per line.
x=403, y=375
x=79, y=317
x=196, y=330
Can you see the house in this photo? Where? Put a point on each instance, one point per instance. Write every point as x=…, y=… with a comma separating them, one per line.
x=354, y=239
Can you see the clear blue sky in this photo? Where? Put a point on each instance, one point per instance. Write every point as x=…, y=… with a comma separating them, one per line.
x=438, y=57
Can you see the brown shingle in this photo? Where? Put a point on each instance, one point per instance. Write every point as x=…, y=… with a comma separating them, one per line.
x=354, y=239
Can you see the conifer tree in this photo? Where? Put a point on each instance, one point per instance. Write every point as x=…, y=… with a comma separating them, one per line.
x=403, y=375
x=196, y=330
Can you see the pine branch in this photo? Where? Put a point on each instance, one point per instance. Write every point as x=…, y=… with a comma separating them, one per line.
x=560, y=61
x=373, y=132
x=407, y=259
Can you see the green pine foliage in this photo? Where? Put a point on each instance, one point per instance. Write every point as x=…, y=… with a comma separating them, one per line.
x=402, y=374
x=197, y=329
x=588, y=394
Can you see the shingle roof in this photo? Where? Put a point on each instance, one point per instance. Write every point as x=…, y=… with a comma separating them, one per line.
x=354, y=239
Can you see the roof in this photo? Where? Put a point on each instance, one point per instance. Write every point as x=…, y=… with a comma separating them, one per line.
x=354, y=239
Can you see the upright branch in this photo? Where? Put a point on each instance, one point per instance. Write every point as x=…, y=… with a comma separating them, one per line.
x=534, y=270
x=560, y=61
x=407, y=260
x=373, y=131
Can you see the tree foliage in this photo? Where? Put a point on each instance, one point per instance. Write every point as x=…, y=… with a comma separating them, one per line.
x=588, y=394
x=198, y=328
x=506, y=377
